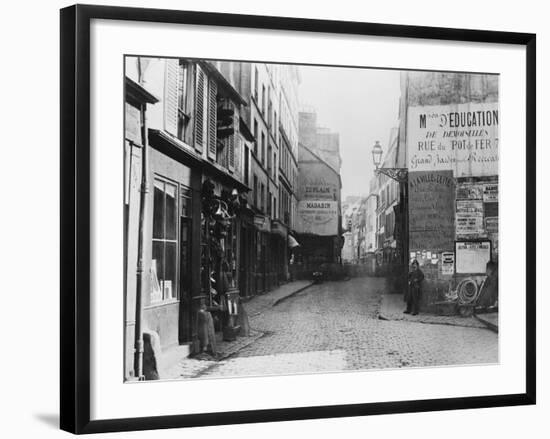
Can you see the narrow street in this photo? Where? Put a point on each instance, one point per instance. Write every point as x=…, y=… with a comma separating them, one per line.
x=334, y=326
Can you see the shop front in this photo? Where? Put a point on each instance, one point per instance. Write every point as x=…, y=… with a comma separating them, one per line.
x=193, y=243
x=280, y=251
x=262, y=266
x=173, y=223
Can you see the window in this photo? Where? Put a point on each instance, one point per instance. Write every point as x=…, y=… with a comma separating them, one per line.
x=256, y=84
x=201, y=110
x=390, y=221
x=246, y=165
x=255, y=137
x=263, y=100
x=269, y=158
x=165, y=244
x=256, y=191
x=262, y=146
x=262, y=197
x=185, y=239
x=280, y=202
x=183, y=118
x=269, y=108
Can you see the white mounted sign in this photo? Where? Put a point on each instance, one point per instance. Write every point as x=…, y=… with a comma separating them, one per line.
x=459, y=137
x=447, y=263
x=472, y=257
x=469, y=217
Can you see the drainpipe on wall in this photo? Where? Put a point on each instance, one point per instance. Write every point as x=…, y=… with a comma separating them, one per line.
x=140, y=287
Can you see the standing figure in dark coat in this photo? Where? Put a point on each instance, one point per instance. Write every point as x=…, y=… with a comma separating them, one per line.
x=488, y=297
x=414, y=291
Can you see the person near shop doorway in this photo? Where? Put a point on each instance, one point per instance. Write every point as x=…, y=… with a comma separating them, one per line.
x=414, y=290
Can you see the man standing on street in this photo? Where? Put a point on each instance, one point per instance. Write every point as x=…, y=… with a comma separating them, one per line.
x=414, y=290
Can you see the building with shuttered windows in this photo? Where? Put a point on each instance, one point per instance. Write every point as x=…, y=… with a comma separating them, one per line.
x=271, y=94
x=193, y=203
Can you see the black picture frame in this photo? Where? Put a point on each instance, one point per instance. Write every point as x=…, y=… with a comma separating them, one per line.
x=75, y=217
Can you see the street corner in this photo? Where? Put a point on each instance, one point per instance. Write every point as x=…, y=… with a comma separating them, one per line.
x=392, y=307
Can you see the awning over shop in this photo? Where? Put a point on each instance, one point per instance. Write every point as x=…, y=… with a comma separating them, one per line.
x=292, y=242
x=262, y=223
x=279, y=228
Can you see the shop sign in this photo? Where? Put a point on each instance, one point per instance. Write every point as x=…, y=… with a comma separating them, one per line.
x=262, y=223
x=490, y=193
x=318, y=186
x=462, y=138
x=472, y=256
x=319, y=217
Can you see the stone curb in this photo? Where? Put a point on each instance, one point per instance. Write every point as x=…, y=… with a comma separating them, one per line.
x=429, y=322
x=428, y=319
x=489, y=325
x=277, y=301
x=247, y=341
x=299, y=290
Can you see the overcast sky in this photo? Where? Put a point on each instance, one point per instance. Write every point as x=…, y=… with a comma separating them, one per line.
x=359, y=104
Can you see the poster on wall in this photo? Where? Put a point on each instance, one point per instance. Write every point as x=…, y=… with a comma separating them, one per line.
x=462, y=138
x=318, y=217
x=469, y=191
x=469, y=217
x=317, y=184
x=490, y=193
x=431, y=210
x=491, y=224
x=447, y=263
x=472, y=256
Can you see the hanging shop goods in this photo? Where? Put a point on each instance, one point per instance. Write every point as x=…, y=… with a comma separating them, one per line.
x=218, y=256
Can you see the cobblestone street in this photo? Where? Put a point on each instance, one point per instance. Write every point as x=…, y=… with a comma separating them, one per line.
x=334, y=326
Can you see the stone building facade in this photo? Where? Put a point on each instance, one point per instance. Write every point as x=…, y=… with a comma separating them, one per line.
x=449, y=133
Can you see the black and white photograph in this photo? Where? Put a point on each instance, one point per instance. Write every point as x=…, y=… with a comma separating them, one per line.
x=275, y=219
x=286, y=219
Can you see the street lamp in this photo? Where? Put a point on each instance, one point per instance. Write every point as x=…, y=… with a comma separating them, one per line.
x=377, y=154
x=398, y=174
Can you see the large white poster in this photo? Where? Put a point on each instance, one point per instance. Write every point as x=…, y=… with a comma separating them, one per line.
x=319, y=217
x=460, y=137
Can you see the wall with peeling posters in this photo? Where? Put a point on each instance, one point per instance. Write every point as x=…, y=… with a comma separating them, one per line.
x=450, y=125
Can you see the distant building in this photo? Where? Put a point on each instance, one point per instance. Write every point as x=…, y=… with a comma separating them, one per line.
x=322, y=141
x=270, y=168
x=319, y=221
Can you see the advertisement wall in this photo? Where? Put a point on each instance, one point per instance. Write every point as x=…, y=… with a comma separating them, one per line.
x=462, y=138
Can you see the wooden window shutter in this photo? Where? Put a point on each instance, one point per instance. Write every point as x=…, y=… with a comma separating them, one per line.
x=199, y=109
x=171, y=96
x=212, y=120
x=231, y=152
